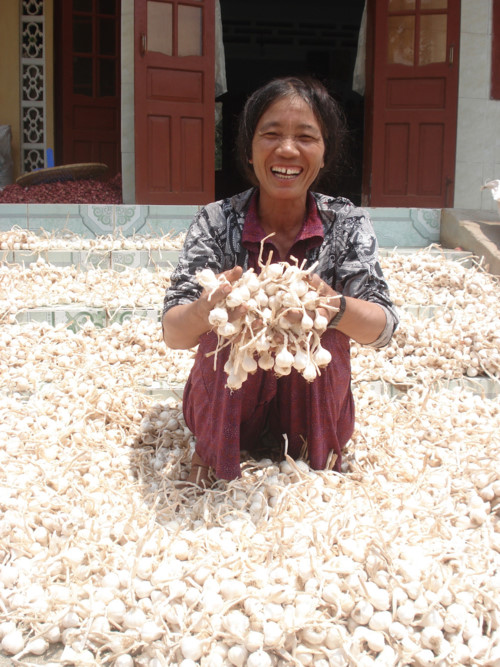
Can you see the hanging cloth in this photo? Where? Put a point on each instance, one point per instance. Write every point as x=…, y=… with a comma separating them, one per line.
x=359, y=76
x=220, y=59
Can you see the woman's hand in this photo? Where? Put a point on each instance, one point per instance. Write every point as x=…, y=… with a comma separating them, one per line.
x=329, y=295
x=209, y=299
x=184, y=324
x=363, y=321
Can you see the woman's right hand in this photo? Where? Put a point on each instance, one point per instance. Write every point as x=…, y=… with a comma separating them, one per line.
x=184, y=324
x=226, y=279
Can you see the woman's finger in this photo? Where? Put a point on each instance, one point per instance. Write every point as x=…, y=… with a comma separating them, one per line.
x=320, y=286
x=234, y=274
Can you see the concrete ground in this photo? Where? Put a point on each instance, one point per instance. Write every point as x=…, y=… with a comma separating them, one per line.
x=51, y=655
x=476, y=231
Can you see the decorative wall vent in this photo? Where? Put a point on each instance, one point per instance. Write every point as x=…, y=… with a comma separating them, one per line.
x=33, y=86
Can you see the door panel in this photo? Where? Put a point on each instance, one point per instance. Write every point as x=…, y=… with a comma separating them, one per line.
x=413, y=94
x=88, y=82
x=174, y=101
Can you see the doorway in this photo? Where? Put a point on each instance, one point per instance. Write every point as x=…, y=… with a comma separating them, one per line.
x=87, y=82
x=413, y=97
x=287, y=40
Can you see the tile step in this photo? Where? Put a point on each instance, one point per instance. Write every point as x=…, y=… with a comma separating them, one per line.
x=75, y=316
x=482, y=386
x=120, y=260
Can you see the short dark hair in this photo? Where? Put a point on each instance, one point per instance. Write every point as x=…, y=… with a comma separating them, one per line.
x=327, y=111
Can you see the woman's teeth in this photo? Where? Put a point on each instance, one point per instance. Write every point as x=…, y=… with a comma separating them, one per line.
x=284, y=172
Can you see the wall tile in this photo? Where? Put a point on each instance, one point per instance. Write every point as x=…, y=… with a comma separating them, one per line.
x=102, y=219
x=53, y=218
x=12, y=215
x=165, y=259
x=121, y=260
x=6, y=256
x=406, y=227
x=36, y=315
x=124, y=315
x=170, y=219
x=92, y=259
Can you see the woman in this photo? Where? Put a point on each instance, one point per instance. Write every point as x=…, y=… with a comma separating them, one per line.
x=290, y=135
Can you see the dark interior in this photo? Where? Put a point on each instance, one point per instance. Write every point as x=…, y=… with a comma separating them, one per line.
x=264, y=39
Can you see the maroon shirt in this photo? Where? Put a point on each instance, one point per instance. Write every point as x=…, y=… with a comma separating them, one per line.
x=310, y=236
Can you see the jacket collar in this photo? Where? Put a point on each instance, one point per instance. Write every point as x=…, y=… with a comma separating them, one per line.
x=329, y=208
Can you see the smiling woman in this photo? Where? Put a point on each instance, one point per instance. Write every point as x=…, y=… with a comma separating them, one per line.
x=290, y=134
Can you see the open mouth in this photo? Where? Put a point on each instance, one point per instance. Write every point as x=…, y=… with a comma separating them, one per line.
x=286, y=173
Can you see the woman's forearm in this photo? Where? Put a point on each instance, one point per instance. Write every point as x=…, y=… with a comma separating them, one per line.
x=363, y=321
x=183, y=325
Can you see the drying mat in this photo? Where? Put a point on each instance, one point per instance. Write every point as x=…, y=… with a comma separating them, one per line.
x=67, y=172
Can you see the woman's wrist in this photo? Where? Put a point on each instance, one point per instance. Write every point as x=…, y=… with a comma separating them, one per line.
x=335, y=321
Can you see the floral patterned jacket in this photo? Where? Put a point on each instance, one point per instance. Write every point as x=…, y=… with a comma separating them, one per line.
x=347, y=258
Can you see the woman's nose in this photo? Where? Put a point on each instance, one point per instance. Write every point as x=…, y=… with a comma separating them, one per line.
x=287, y=145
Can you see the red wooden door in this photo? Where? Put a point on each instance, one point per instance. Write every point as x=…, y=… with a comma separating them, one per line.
x=88, y=82
x=413, y=95
x=174, y=101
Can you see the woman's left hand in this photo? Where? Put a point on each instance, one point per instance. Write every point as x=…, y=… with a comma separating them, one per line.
x=329, y=296
x=363, y=321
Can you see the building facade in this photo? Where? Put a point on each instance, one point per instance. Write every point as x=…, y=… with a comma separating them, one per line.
x=142, y=86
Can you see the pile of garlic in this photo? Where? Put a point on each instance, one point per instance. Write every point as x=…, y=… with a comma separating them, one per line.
x=18, y=238
x=128, y=353
x=459, y=337
x=104, y=559
x=42, y=285
x=264, y=336
x=393, y=562
x=429, y=278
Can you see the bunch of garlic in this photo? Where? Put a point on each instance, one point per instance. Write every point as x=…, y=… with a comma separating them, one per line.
x=264, y=336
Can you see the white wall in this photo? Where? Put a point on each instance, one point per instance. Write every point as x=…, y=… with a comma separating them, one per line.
x=127, y=116
x=478, y=131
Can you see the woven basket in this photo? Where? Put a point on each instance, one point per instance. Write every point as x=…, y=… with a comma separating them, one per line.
x=68, y=172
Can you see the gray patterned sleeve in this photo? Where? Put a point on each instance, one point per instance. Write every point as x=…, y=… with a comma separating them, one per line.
x=203, y=247
x=359, y=273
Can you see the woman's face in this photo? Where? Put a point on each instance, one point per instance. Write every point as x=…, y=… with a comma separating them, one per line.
x=287, y=149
